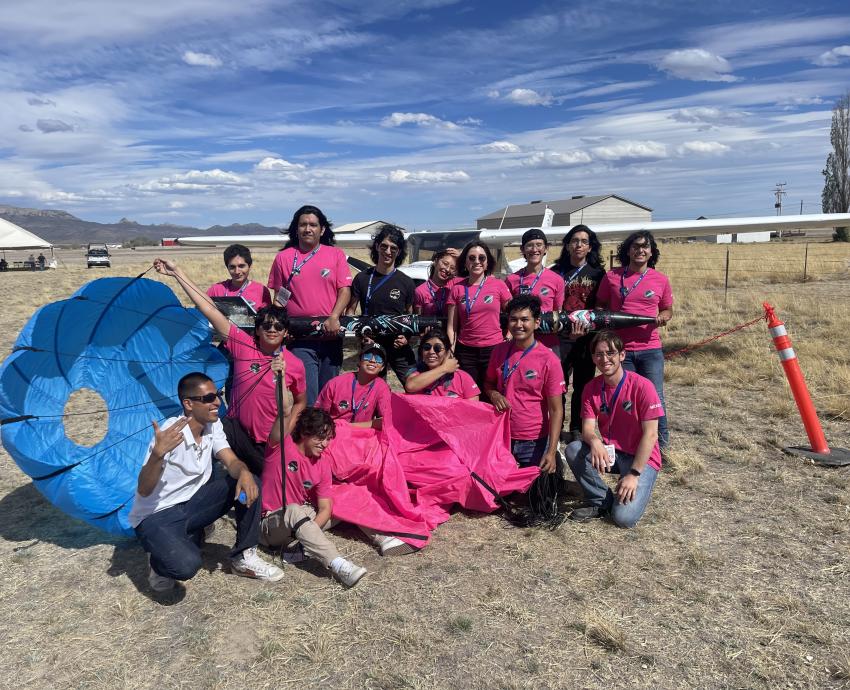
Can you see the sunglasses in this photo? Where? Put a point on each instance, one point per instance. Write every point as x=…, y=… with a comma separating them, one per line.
x=272, y=326
x=206, y=399
x=477, y=258
x=391, y=248
x=372, y=357
x=427, y=347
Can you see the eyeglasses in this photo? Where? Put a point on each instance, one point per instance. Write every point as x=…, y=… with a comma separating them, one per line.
x=637, y=247
x=391, y=248
x=476, y=258
x=272, y=326
x=611, y=354
x=579, y=241
x=206, y=399
x=372, y=357
x=436, y=347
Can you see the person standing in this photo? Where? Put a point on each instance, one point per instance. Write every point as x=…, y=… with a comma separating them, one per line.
x=238, y=261
x=431, y=298
x=311, y=277
x=637, y=288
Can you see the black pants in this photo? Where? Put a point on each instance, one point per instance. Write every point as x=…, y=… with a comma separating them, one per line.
x=249, y=451
x=576, y=359
x=474, y=361
x=402, y=359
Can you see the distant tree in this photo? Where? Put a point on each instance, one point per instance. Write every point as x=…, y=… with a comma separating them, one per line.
x=140, y=241
x=835, y=197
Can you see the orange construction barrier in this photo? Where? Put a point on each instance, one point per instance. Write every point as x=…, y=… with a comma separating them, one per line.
x=795, y=379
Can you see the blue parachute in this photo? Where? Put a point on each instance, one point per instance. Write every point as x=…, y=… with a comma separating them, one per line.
x=128, y=339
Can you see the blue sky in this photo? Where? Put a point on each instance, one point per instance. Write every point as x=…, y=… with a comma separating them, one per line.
x=428, y=113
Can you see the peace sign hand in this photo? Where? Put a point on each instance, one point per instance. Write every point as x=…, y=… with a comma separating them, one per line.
x=166, y=440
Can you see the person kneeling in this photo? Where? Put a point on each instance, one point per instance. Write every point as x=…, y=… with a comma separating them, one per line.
x=308, y=502
x=627, y=408
x=177, y=496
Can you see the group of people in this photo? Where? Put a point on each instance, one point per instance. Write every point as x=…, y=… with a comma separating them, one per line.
x=617, y=420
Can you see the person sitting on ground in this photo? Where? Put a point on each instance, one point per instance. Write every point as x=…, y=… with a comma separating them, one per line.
x=308, y=501
x=238, y=261
x=361, y=397
x=438, y=372
x=431, y=298
x=525, y=379
x=177, y=497
x=256, y=363
x=626, y=409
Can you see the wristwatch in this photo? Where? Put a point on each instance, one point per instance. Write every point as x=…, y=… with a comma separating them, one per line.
x=635, y=472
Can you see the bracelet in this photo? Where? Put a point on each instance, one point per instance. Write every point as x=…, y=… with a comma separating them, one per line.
x=634, y=472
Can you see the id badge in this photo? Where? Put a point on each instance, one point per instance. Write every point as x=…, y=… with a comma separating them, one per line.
x=612, y=453
x=283, y=296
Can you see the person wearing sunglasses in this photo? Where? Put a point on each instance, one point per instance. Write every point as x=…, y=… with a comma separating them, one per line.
x=177, y=495
x=311, y=277
x=438, y=372
x=581, y=268
x=475, y=304
x=361, y=397
x=256, y=363
x=637, y=288
x=431, y=298
x=625, y=408
x=536, y=279
x=386, y=291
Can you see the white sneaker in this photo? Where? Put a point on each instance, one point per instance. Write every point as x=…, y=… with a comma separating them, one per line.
x=391, y=546
x=249, y=564
x=348, y=573
x=158, y=582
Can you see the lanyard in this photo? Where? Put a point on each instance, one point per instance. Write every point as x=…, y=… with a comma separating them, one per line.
x=626, y=292
x=506, y=372
x=573, y=275
x=355, y=408
x=475, y=298
x=242, y=289
x=528, y=290
x=442, y=381
x=296, y=267
x=610, y=410
x=377, y=287
x=438, y=304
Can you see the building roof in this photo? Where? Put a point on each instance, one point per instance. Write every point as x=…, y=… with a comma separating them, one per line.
x=558, y=206
x=365, y=226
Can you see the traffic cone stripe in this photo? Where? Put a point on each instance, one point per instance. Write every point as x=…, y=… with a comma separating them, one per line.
x=786, y=354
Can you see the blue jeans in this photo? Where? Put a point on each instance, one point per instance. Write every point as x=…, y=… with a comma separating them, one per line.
x=529, y=453
x=598, y=494
x=173, y=536
x=650, y=365
x=322, y=361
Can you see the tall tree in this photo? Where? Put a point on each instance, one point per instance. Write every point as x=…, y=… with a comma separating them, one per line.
x=835, y=197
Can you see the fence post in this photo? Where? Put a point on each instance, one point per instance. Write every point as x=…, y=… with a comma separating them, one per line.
x=611, y=260
x=806, y=263
x=726, y=279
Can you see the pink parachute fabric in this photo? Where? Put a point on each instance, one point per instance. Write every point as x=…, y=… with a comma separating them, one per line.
x=405, y=480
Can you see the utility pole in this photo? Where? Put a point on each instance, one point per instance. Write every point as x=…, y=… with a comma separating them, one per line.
x=779, y=191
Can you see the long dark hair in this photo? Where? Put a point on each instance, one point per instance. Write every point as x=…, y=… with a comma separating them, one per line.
x=461, y=261
x=594, y=256
x=327, y=234
x=434, y=259
x=626, y=244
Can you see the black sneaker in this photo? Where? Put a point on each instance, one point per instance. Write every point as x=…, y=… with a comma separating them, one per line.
x=585, y=514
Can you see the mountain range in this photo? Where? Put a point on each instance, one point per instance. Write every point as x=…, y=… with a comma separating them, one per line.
x=62, y=228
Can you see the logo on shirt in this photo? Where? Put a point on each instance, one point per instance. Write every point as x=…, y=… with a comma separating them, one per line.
x=255, y=367
x=292, y=466
x=488, y=299
x=530, y=374
x=343, y=404
x=648, y=294
x=627, y=405
x=655, y=406
x=395, y=293
x=325, y=272
x=307, y=484
x=544, y=291
x=452, y=394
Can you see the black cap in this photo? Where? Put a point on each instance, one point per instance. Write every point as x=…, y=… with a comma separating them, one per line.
x=533, y=234
x=374, y=347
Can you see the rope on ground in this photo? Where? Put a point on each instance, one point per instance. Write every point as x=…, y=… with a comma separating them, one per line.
x=701, y=343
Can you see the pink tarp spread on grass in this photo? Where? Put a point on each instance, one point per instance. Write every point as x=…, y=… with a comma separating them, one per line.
x=405, y=479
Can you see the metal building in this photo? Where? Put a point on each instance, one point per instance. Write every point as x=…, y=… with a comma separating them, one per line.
x=590, y=210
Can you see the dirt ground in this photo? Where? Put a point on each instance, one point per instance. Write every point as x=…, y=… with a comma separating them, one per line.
x=737, y=577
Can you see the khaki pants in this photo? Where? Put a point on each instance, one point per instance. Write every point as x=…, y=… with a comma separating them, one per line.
x=276, y=530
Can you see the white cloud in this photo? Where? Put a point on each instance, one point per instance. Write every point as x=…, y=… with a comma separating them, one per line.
x=420, y=119
x=499, y=147
x=631, y=150
x=711, y=148
x=707, y=115
x=177, y=204
x=800, y=100
x=49, y=126
x=278, y=165
x=528, y=97
x=427, y=177
x=190, y=57
x=239, y=156
x=832, y=57
x=194, y=181
x=40, y=101
x=555, y=159
x=696, y=64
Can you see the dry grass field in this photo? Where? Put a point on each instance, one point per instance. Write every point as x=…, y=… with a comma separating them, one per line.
x=737, y=577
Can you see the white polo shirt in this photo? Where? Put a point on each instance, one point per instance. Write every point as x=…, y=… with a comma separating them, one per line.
x=186, y=469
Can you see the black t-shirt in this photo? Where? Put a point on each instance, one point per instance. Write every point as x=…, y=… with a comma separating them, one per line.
x=580, y=292
x=391, y=296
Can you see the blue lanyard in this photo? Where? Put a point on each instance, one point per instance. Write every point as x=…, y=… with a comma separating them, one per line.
x=444, y=381
x=474, y=299
x=529, y=290
x=507, y=373
x=296, y=267
x=626, y=292
x=613, y=407
x=573, y=275
x=439, y=304
x=355, y=408
x=377, y=287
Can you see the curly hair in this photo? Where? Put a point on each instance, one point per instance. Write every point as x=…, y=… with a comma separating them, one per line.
x=594, y=256
x=394, y=234
x=626, y=245
x=313, y=422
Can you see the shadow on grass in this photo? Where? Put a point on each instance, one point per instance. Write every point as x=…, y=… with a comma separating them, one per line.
x=717, y=350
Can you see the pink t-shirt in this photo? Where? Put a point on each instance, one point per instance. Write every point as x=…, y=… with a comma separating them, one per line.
x=256, y=294
x=537, y=377
x=637, y=402
x=370, y=401
x=549, y=287
x=307, y=479
x=652, y=295
x=432, y=299
x=481, y=326
x=316, y=284
x=459, y=385
x=254, y=399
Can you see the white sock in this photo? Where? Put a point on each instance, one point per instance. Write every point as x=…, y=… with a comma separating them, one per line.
x=337, y=563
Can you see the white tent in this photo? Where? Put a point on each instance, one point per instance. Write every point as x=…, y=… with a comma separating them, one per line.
x=15, y=237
